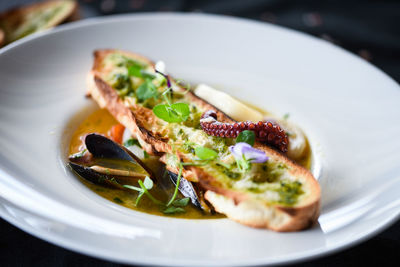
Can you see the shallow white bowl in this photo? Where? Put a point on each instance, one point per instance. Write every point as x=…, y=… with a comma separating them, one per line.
x=349, y=109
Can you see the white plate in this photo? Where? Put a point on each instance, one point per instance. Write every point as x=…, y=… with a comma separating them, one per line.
x=349, y=109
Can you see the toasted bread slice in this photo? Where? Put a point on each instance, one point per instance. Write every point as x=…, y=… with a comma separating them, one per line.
x=286, y=199
x=22, y=21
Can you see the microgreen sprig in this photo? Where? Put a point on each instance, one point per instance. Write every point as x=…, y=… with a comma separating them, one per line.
x=145, y=191
x=177, y=112
x=178, y=180
x=144, y=188
x=177, y=205
x=171, y=112
x=173, y=206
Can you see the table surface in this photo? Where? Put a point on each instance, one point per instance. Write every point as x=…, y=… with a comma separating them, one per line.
x=366, y=28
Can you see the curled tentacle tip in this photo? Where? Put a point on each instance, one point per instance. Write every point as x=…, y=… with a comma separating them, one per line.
x=268, y=132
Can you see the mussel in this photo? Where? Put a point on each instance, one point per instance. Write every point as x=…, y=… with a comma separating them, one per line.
x=95, y=177
x=101, y=147
x=187, y=189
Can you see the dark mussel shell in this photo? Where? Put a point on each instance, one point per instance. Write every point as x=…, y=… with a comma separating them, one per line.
x=186, y=188
x=95, y=177
x=102, y=147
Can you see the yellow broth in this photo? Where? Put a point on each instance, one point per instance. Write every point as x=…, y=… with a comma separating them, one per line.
x=101, y=122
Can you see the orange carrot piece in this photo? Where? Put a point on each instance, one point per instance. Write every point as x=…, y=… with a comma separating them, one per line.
x=116, y=132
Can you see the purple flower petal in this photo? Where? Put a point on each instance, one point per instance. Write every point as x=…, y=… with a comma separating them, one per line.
x=251, y=154
x=255, y=156
x=236, y=150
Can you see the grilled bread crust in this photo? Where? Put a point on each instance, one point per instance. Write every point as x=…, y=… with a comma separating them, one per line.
x=238, y=206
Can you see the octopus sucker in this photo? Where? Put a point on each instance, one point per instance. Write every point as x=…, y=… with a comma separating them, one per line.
x=268, y=132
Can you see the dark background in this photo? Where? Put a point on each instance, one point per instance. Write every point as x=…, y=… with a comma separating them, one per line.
x=370, y=29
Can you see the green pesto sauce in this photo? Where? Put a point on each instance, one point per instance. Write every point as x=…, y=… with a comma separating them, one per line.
x=185, y=136
x=289, y=192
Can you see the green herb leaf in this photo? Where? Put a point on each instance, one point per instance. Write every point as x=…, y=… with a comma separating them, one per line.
x=182, y=109
x=177, y=112
x=247, y=137
x=181, y=202
x=205, y=153
x=135, y=70
x=146, y=90
x=172, y=210
x=163, y=112
x=148, y=183
x=132, y=142
x=146, y=155
x=138, y=71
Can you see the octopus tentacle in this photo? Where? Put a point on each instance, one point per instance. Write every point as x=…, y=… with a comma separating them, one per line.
x=266, y=131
